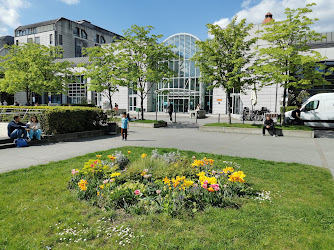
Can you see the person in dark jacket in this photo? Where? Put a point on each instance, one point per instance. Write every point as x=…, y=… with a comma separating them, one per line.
x=269, y=125
x=296, y=115
x=170, y=110
x=17, y=129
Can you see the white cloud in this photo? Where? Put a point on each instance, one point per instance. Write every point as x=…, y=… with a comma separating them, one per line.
x=71, y=2
x=255, y=12
x=9, y=14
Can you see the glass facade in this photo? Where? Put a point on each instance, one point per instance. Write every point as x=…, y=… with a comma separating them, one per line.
x=184, y=90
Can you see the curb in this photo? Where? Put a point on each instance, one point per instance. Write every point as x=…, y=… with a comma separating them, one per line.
x=255, y=131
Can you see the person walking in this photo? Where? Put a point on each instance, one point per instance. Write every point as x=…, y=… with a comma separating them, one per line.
x=124, y=127
x=170, y=110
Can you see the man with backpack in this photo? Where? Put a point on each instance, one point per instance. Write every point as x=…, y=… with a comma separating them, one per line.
x=296, y=115
x=17, y=129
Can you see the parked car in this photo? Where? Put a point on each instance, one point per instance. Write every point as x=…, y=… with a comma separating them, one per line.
x=317, y=111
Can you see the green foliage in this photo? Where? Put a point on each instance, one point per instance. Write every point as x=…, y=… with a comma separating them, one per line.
x=104, y=70
x=30, y=68
x=62, y=120
x=288, y=108
x=149, y=121
x=143, y=61
x=288, y=60
x=223, y=59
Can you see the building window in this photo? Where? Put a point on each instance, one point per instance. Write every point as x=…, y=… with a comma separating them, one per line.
x=60, y=39
x=83, y=34
x=76, y=31
x=97, y=39
x=37, y=40
x=77, y=91
x=51, y=39
x=29, y=40
x=102, y=40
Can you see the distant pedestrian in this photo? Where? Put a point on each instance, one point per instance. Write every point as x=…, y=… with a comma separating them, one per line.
x=124, y=127
x=116, y=106
x=5, y=103
x=170, y=110
x=269, y=125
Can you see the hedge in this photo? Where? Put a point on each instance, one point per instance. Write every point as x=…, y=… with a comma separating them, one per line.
x=63, y=120
x=288, y=108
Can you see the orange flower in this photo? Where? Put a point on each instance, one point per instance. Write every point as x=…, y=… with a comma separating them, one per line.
x=98, y=156
x=210, y=189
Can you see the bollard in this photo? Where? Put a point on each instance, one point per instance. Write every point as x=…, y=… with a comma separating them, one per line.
x=175, y=117
x=218, y=118
x=196, y=116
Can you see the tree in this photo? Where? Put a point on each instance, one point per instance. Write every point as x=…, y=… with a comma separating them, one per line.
x=223, y=60
x=143, y=61
x=31, y=68
x=288, y=60
x=103, y=71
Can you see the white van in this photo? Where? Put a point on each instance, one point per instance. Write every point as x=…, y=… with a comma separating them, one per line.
x=317, y=111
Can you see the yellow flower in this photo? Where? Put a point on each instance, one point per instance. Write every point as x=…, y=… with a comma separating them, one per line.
x=102, y=186
x=111, y=157
x=98, y=156
x=188, y=183
x=129, y=152
x=98, y=193
x=237, y=177
x=143, y=155
x=210, y=189
x=227, y=170
x=143, y=173
x=115, y=175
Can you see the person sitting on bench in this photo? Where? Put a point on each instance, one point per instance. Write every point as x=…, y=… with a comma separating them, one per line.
x=17, y=129
x=269, y=125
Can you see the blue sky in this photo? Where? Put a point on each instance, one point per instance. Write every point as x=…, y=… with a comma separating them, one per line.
x=168, y=17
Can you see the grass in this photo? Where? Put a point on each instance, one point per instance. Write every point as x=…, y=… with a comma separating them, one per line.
x=241, y=125
x=34, y=201
x=149, y=121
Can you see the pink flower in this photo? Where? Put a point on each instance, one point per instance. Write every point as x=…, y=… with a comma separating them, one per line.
x=111, y=180
x=92, y=165
x=205, y=182
x=95, y=162
x=195, y=185
x=158, y=191
x=215, y=187
x=73, y=171
x=137, y=192
x=205, y=186
x=147, y=175
x=214, y=172
x=145, y=170
x=194, y=157
x=105, y=181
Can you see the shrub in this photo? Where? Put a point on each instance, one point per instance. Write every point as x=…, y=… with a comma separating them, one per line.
x=62, y=120
x=288, y=108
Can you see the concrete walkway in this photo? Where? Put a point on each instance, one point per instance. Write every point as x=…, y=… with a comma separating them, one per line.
x=318, y=152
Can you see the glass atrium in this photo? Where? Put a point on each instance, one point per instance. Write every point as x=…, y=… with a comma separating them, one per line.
x=184, y=90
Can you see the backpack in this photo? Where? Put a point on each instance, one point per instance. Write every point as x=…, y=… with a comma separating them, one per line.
x=20, y=143
x=293, y=114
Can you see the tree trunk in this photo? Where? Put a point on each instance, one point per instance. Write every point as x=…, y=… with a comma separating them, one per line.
x=283, y=115
x=142, y=106
x=109, y=97
x=229, y=106
x=28, y=96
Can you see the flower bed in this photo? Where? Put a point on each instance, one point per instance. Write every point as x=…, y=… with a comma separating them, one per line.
x=158, y=183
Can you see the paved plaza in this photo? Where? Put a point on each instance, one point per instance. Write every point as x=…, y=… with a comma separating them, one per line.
x=184, y=136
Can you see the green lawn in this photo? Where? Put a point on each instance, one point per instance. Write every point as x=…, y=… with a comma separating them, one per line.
x=240, y=125
x=34, y=202
x=149, y=121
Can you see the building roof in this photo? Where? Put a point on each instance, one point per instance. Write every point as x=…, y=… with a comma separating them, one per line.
x=33, y=25
x=74, y=60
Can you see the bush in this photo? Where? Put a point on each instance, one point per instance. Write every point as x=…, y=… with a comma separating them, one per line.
x=79, y=105
x=288, y=108
x=63, y=120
